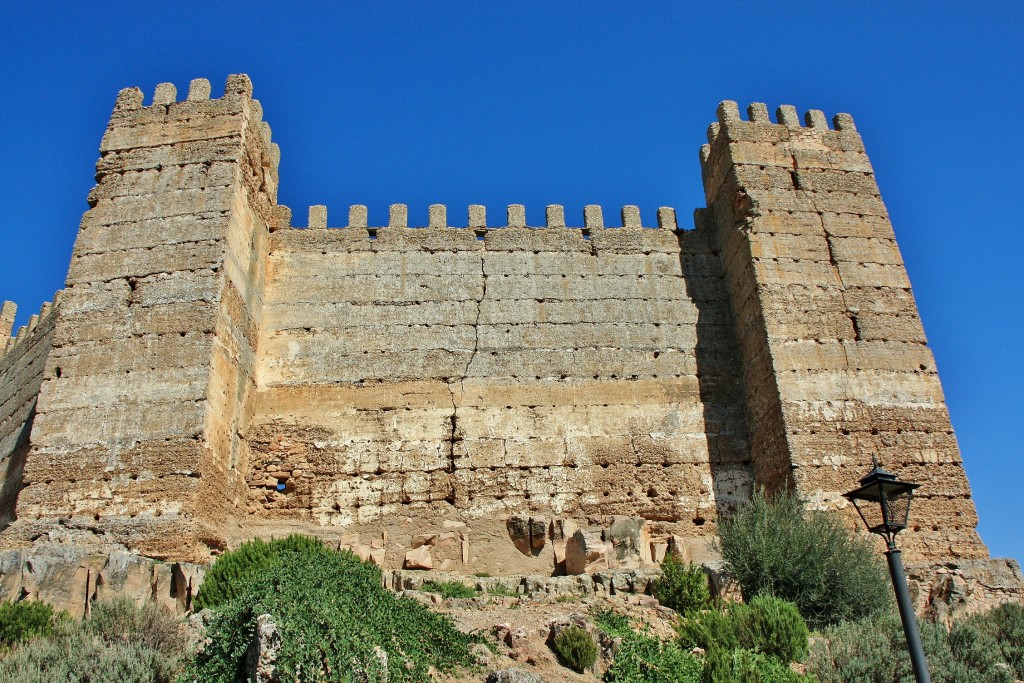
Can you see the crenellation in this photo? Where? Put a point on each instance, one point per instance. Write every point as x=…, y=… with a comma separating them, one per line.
x=787, y=116
x=210, y=374
x=198, y=90
x=630, y=217
x=667, y=218
x=165, y=94
x=758, y=112
x=317, y=216
x=477, y=216
x=398, y=216
x=593, y=219
x=358, y=216
x=815, y=118
x=516, y=216
x=554, y=216
x=437, y=216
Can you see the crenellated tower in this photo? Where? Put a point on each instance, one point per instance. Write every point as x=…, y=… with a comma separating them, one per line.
x=836, y=366
x=148, y=383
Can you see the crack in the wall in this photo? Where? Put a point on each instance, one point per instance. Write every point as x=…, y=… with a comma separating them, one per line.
x=454, y=419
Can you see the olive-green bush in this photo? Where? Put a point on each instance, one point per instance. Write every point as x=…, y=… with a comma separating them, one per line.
x=336, y=622
x=1006, y=625
x=812, y=559
x=231, y=571
x=767, y=625
x=24, y=620
x=117, y=642
x=682, y=586
x=874, y=650
x=575, y=648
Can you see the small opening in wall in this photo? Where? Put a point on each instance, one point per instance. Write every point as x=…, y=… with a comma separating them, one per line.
x=698, y=521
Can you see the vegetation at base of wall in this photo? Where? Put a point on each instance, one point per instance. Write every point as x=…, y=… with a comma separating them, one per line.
x=449, y=589
x=1006, y=625
x=21, y=621
x=874, y=650
x=575, y=648
x=117, y=642
x=682, y=586
x=229, y=574
x=334, y=620
x=501, y=590
x=773, y=546
x=614, y=624
x=745, y=666
x=767, y=625
x=645, y=659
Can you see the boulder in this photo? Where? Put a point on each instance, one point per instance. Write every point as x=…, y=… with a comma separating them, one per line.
x=586, y=553
x=514, y=675
x=419, y=558
x=630, y=541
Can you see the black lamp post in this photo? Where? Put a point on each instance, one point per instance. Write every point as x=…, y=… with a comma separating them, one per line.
x=883, y=502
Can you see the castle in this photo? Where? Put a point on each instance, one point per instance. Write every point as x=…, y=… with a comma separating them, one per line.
x=211, y=373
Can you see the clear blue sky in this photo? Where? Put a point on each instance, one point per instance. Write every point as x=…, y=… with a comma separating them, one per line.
x=571, y=103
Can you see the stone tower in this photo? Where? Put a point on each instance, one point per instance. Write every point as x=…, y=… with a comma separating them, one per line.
x=836, y=367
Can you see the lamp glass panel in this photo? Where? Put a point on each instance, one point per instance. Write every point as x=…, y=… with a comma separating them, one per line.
x=899, y=508
x=871, y=512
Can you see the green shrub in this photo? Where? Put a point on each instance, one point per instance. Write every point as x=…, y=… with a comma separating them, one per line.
x=682, y=587
x=775, y=547
x=227, y=577
x=767, y=625
x=24, y=620
x=77, y=656
x=449, y=589
x=645, y=659
x=117, y=642
x=614, y=624
x=714, y=629
x=334, y=619
x=1006, y=625
x=575, y=648
x=773, y=627
x=121, y=621
x=744, y=666
x=874, y=651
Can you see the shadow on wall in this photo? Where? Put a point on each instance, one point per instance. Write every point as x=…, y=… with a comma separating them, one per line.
x=13, y=472
x=719, y=374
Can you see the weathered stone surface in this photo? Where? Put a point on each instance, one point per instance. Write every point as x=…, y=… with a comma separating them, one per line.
x=586, y=553
x=211, y=374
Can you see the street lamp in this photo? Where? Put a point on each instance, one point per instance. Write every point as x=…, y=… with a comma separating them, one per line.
x=883, y=502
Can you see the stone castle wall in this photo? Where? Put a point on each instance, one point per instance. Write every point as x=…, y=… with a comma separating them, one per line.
x=217, y=374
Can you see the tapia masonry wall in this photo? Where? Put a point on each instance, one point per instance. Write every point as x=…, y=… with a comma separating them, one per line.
x=213, y=373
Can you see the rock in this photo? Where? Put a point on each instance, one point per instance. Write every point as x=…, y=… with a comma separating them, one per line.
x=419, y=558
x=261, y=661
x=722, y=585
x=377, y=556
x=423, y=539
x=630, y=541
x=561, y=531
x=513, y=675
x=452, y=524
x=519, y=531
x=538, y=533
x=517, y=638
x=586, y=553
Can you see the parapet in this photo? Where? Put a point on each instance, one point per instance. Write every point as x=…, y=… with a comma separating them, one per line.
x=758, y=127
x=8, y=310
x=476, y=218
x=129, y=107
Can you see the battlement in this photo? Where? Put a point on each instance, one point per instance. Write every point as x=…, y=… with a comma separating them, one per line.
x=554, y=215
x=759, y=128
x=9, y=339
